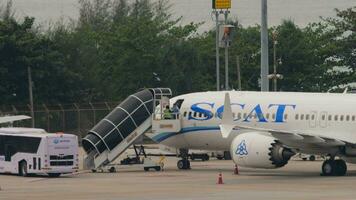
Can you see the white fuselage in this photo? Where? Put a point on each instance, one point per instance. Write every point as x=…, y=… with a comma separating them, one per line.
x=324, y=114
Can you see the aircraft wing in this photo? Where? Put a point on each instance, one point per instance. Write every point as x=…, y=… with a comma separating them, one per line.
x=8, y=119
x=303, y=137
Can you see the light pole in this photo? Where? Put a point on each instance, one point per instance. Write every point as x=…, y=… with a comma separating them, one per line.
x=31, y=96
x=238, y=73
x=217, y=52
x=274, y=61
x=220, y=7
x=275, y=76
x=264, y=47
x=226, y=56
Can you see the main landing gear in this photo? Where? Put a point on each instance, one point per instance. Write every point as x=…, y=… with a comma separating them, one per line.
x=184, y=163
x=333, y=167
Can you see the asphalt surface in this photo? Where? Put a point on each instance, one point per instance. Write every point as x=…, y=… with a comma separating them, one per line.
x=298, y=180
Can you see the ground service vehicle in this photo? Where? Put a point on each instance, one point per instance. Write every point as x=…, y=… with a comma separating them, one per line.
x=27, y=151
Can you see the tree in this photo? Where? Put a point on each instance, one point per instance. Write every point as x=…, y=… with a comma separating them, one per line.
x=341, y=35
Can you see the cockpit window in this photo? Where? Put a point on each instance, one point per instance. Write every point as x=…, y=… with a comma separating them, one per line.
x=179, y=103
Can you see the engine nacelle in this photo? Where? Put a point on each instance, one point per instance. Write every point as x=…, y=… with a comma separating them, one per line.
x=256, y=150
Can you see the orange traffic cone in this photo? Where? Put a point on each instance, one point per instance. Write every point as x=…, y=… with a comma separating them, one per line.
x=220, y=179
x=236, y=170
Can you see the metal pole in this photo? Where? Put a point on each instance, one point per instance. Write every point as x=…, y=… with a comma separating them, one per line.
x=238, y=73
x=31, y=96
x=264, y=47
x=274, y=65
x=217, y=52
x=226, y=57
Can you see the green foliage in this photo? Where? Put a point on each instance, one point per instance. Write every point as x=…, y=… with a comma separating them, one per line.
x=341, y=32
x=117, y=47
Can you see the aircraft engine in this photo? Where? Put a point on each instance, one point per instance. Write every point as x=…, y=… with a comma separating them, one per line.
x=256, y=150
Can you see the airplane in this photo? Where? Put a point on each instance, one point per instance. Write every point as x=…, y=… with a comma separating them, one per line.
x=265, y=129
x=10, y=119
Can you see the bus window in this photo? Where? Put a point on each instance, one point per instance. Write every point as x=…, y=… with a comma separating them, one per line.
x=9, y=151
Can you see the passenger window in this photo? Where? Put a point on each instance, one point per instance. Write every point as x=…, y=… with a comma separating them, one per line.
x=347, y=117
x=353, y=117
x=336, y=117
x=330, y=117
x=296, y=116
x=341, y=117
x=323, y=117
x=239, y=115
x=285, y=116
x=190, y=113
x=307, y=117
x=195, y=114
x=267, y=115
x=185, y=114
x=302, y=117
x=273, y=116
x=312, y=117
x=200, y=114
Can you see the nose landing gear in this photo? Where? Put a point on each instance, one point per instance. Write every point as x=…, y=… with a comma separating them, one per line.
x=333, y=167
x=184, y=163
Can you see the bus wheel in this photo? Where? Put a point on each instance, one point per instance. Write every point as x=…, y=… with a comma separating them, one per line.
x=23, y=168
x=54, y=175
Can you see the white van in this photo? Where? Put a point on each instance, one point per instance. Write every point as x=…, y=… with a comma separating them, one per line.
x=27, y=151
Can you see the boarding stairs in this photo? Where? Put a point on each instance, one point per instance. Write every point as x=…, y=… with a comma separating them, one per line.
x=108, y=139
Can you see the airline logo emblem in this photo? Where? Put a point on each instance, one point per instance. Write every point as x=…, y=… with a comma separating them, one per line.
x=242, y=149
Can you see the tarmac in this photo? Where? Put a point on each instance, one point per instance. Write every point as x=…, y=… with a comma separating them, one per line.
x=298, y=180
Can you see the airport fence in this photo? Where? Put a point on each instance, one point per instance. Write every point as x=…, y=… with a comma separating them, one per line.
x=69, y=118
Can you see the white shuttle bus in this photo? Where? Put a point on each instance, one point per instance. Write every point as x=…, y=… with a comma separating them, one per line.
x=27, y=151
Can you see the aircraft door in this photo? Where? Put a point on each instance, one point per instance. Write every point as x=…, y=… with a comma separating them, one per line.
x=312, y=119
x=323, y=119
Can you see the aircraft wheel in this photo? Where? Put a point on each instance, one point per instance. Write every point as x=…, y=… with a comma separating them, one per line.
x=180, y=164
x=334, y=168
x=328, y=168
x=183, y=164
x=188, y=164
x=112, y=169
x=220, y=157
x=312, y=158
x=340, y=168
